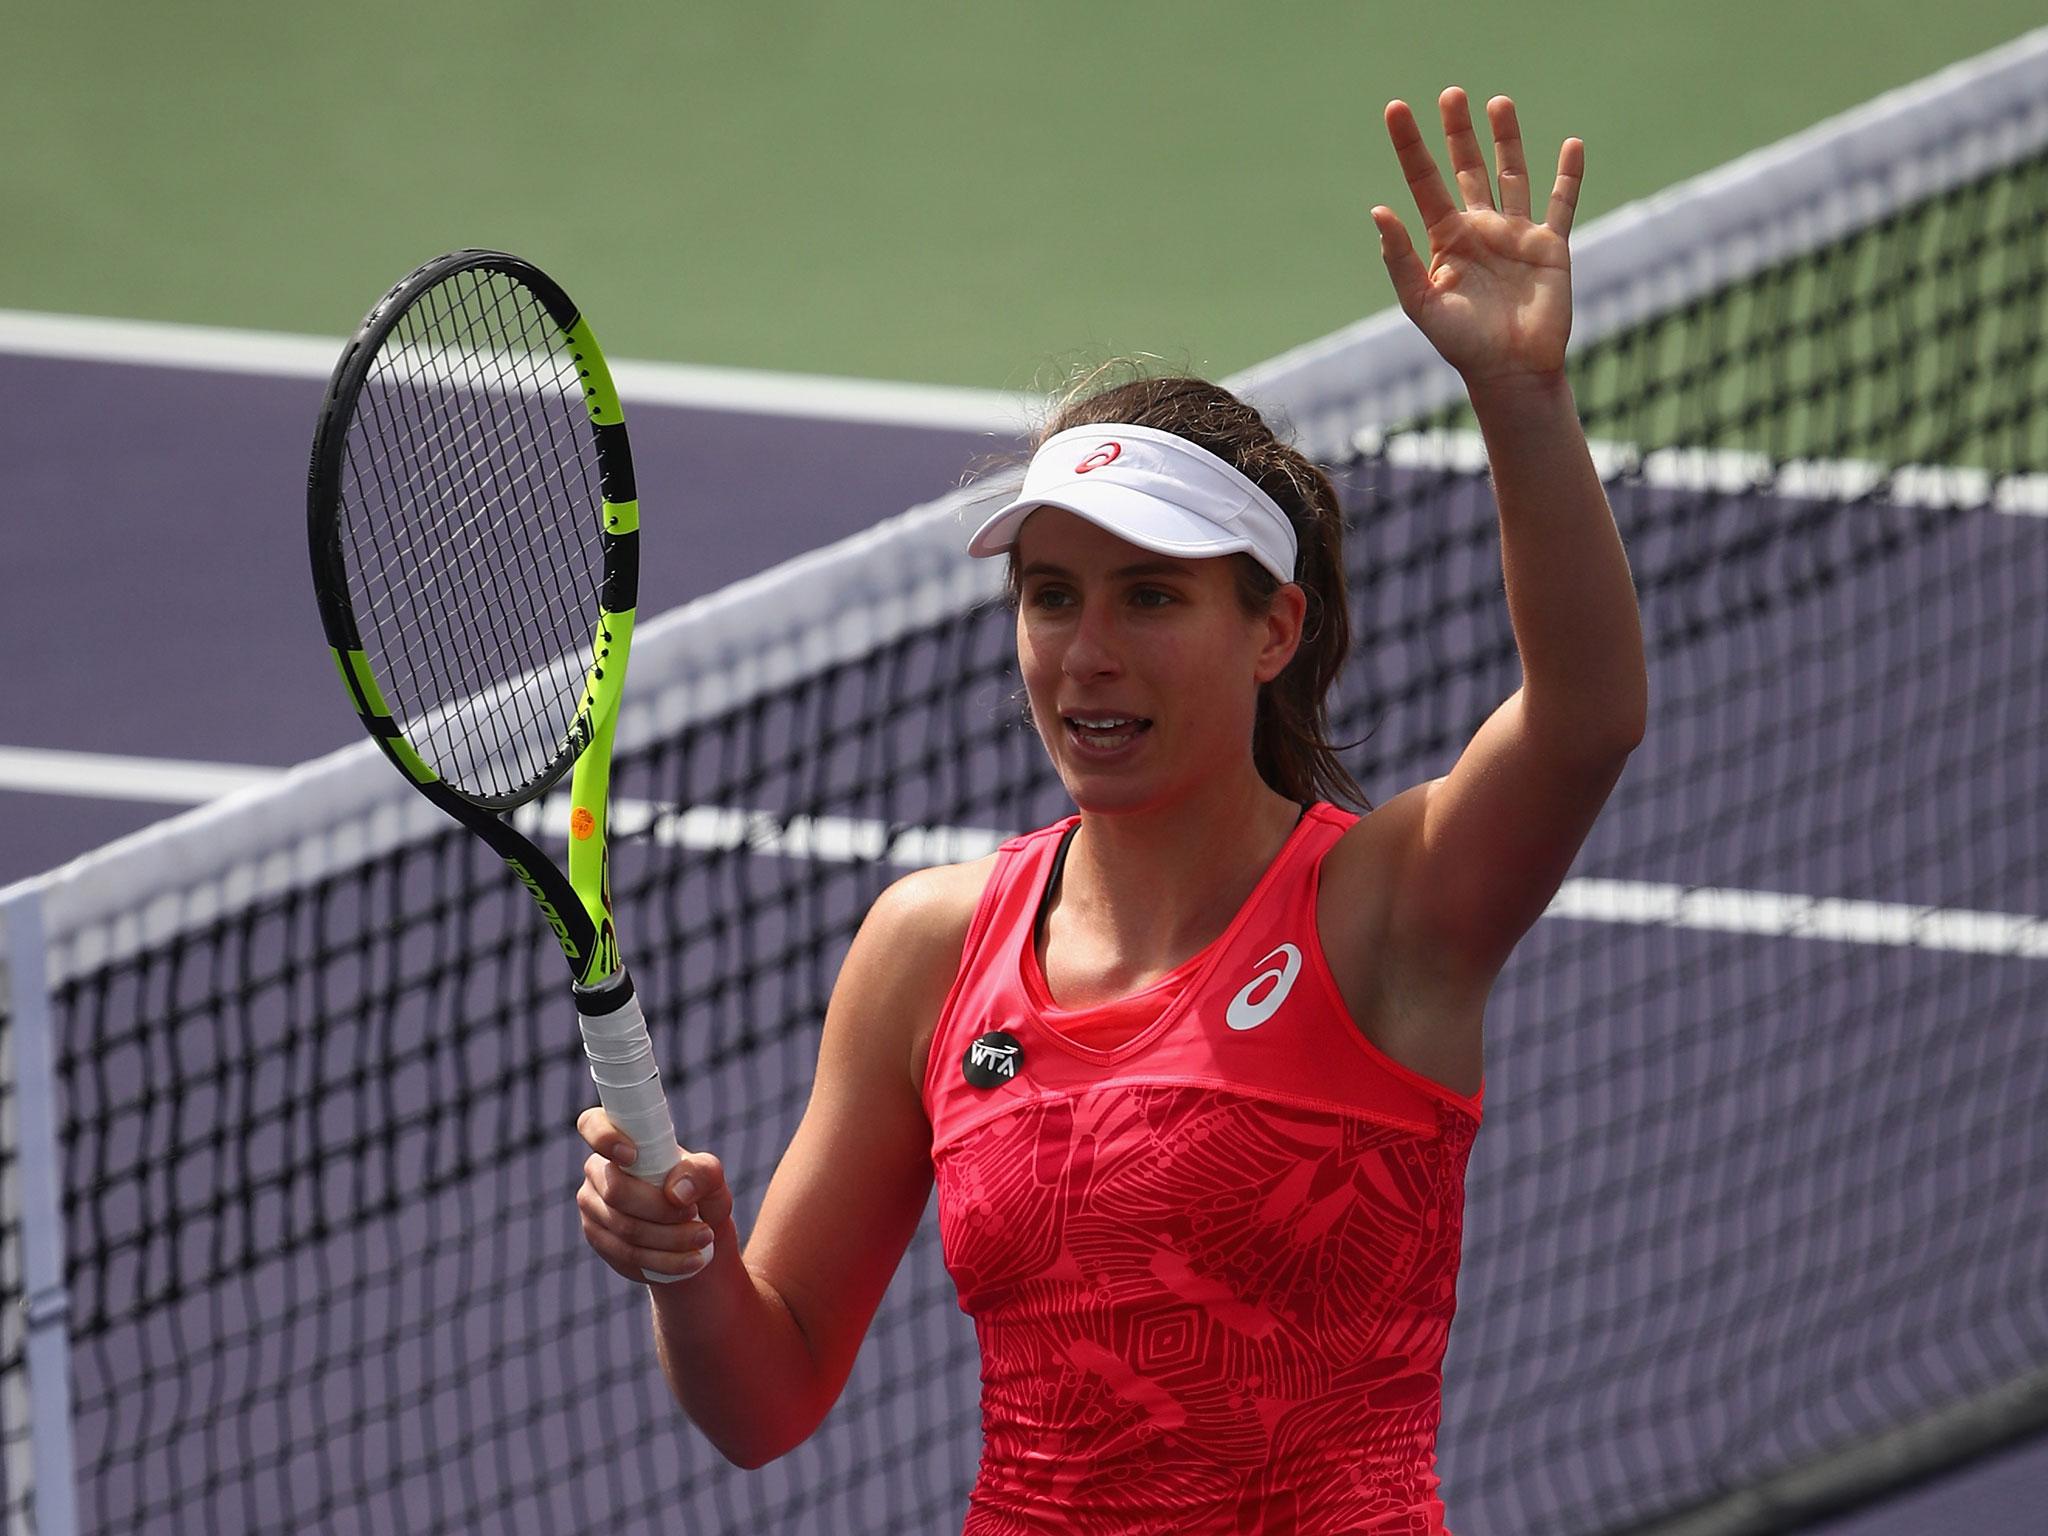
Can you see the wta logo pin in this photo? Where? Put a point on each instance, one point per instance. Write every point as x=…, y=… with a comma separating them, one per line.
x=992, y=1060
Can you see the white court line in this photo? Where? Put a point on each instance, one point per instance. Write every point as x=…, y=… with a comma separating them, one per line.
x=1730, y=471
x=832, y=839
x=1773, y=914
x=759, y=392
x=847, y=839
x=751, y=391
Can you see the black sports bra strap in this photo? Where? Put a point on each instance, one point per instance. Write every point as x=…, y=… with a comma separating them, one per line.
x=1059, y=862
x=1052, y=883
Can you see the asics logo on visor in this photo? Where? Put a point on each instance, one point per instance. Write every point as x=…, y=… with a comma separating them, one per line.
x=1106, y=454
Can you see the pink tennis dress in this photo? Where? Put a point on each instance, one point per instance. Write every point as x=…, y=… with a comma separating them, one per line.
x=1208, y=1233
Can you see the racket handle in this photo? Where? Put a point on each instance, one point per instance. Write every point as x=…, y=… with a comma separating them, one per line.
x=629, y=1084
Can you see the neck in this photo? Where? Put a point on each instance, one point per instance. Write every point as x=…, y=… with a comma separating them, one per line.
x=1157, y=884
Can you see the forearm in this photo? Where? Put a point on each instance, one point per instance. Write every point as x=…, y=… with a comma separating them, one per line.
x=735, y=1358
x=1570, y=596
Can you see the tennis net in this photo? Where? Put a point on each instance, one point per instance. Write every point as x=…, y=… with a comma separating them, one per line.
x=1754, y=1228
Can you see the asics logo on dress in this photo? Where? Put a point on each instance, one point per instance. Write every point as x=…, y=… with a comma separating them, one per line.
x=1247, y=1012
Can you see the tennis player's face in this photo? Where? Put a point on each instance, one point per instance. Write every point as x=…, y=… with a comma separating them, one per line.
x=1143, y=670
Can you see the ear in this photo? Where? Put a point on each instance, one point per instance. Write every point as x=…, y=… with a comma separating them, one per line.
x=1280, y=631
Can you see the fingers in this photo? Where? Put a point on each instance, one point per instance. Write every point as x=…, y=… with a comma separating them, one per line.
x=1404, y=266
x=1432, y=197
x=673, y=1235
x=1564, y=194
x=631, y=1246
x=1468, y=163
x=634, y=1225
x=598, y=1133
x=1507, y=157
x=681, y=1197
x=696, y=1186
x=704, y=1173
x=637, y=1227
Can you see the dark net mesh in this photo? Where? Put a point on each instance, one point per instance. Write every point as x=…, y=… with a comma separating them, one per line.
x=471, y=519
x=1760, y=1178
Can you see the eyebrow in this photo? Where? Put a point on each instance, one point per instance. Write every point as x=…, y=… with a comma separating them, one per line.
x=1142, y=568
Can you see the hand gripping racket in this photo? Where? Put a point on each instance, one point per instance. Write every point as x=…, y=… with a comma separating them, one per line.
x=475, y=540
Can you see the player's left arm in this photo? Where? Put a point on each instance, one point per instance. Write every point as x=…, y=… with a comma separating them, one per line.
x=1489, y=844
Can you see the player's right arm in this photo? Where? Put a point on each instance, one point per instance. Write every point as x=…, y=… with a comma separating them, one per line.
x=757, y=1347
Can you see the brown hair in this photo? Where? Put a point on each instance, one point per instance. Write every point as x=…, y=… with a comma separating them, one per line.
x=1290, y=735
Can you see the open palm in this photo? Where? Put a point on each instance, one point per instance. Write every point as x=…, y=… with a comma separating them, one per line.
x=1496, y=297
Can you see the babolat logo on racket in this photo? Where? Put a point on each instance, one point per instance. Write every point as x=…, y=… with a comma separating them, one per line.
x=992, y=1060
x=547, y=908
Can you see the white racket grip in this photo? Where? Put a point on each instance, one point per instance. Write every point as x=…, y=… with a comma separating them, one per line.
x=622, y=1065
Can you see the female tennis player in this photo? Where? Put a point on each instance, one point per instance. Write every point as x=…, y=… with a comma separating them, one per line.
x=1196, y=1070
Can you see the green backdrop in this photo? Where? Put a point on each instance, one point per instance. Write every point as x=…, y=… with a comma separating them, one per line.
x=970, y=193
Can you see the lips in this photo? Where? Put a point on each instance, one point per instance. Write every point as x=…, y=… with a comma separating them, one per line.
x=1104, y=731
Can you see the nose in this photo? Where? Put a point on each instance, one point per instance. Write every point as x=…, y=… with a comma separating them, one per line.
x=1091, y=651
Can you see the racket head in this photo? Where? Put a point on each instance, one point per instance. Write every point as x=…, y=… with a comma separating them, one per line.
x=473, y=525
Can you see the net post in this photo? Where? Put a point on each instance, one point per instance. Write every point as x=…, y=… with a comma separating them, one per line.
x=46, y=1323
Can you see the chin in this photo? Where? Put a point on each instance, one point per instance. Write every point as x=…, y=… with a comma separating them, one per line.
x=1110, y=794
x=1098, y=800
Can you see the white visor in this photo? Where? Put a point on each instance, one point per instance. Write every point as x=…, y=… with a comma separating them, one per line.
x=1152, y=488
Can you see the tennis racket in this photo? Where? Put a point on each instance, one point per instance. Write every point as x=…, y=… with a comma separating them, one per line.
x=475, y=539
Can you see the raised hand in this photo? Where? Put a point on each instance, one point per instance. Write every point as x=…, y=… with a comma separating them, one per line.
x=1495, y=299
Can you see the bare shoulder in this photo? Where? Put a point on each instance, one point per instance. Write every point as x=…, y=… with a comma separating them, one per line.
x=924, y=917
x=918, y=928
x=935, y=901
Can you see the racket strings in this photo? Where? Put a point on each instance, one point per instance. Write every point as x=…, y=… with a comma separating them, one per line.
x=500, y=496
x=510, y=588
x=440, y=586
x=472, y=520
x=570, y=468
x=516, y=497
